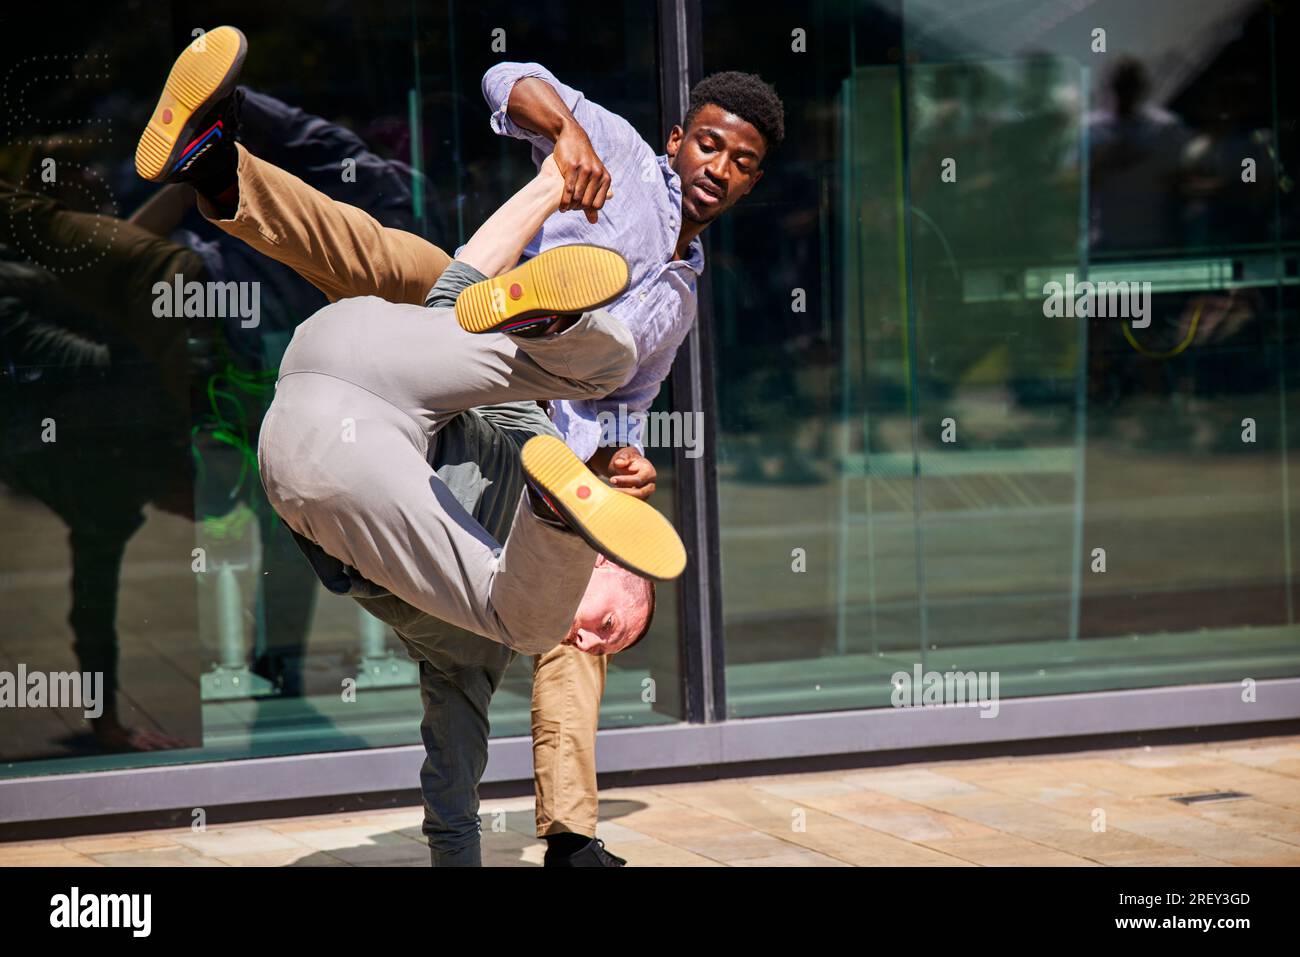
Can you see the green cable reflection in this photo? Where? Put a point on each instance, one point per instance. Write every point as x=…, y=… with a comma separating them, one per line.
x=226, y=420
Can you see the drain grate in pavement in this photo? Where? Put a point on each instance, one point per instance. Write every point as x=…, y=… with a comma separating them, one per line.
x=1212, y=796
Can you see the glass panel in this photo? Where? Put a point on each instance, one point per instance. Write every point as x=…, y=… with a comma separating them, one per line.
x=1134, y=533
x=994, y=177
x=814, y=375
x=129, y=444
x=954, y=450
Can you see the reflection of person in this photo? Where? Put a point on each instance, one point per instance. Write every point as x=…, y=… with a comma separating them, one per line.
x=1135, y=166
x=121, y=443
x=733, y=121
x=79, y=346
x=1222, y=207
x=91, y=319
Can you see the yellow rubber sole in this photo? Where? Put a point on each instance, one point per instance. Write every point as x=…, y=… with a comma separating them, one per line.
x=624, y=529
x=202, y=73
x=573, y=278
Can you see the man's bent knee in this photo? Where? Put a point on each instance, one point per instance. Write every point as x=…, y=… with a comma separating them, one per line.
x=324, y=341
x=614, y=363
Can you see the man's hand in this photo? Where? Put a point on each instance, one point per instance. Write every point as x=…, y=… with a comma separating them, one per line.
x=534, y=105
x=586, y=181
x=632, y=472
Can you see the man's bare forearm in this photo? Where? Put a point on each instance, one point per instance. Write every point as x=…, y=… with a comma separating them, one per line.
x=497, y=245
x=536, y=106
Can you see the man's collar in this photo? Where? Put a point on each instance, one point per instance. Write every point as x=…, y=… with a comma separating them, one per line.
x=695, y=251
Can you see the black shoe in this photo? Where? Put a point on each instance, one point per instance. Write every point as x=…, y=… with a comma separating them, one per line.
x=593, y=854
x=191, y=135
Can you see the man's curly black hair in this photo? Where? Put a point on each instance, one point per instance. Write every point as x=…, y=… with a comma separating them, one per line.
x=747, y=96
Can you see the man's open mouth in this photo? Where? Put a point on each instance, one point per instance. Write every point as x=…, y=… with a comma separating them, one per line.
x=706, y=193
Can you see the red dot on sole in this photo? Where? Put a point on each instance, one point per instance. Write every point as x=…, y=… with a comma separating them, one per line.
x=516, y=290
x=583, y=492
x=167, y=116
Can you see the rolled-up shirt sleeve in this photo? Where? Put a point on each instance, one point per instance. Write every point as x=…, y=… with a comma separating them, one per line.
x=609, y=133
x=499, y=80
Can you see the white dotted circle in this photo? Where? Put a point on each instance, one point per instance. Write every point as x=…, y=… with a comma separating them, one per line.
x=44, y=246
x=17, y=117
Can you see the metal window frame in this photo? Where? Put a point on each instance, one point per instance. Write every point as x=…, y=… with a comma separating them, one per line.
x=700, y=631
x=724, y=747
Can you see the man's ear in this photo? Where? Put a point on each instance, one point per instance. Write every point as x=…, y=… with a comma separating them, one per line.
x=754, y=182
x=675, y=137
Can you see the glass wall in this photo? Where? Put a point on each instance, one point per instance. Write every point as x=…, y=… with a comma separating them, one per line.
x=128, y=441
x=951, y=467
x=933, y=450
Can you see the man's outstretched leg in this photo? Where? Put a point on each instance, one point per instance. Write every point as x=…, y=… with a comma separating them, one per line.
x=348, y=470
x=339, y=248
x=366, y=386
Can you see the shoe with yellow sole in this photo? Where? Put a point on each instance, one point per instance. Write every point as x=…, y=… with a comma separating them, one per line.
x=559, y=281
x=621, y=527
x=195, y=115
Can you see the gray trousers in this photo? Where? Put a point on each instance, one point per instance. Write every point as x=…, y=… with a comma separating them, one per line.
x=477, y=455
x=344, y=454
x=459, y=673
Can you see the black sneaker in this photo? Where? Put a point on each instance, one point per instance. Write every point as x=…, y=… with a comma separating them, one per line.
x=593, y=854
x=191, y=135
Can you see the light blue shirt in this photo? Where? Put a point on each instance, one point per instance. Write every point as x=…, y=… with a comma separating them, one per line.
x=641, y=222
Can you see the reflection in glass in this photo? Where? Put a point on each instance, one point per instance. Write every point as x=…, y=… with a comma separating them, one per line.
x=215, y=636
x=947, y=469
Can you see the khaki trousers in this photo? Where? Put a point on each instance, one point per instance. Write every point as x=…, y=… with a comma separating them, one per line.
x=345, y=252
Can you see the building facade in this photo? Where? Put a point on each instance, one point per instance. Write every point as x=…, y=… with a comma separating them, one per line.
x=984, y=433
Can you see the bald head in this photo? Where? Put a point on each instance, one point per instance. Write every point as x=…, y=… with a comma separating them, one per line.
x=615, y=612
